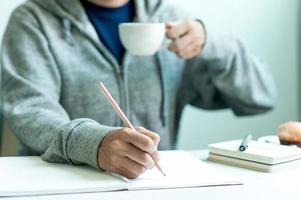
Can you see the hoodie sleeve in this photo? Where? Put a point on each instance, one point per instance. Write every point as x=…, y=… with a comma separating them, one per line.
x=31, y=88
x=224, y=74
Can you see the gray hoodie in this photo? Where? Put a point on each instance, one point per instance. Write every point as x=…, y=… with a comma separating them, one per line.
x=52, y=61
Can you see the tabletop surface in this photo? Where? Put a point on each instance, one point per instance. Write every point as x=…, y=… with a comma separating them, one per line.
x=257, y=185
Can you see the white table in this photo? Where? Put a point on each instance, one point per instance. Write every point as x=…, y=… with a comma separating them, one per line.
x=257, y=185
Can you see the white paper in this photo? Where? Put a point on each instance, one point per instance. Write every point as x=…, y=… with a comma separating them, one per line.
x=23, y=176
x=182, y=170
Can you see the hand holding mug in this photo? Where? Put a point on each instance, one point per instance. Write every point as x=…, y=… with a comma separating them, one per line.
x=144, y=39
x=188, y=38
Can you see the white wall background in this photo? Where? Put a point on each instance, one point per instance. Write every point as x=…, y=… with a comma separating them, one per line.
x=270, y=30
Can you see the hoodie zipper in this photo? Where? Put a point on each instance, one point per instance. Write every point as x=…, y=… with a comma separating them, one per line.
x=122, y=90
x=119, y=69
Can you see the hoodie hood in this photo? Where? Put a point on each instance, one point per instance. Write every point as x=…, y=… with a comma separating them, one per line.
x=146, y=10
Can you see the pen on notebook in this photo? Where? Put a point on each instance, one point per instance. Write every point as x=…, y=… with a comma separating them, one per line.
x=244, y=145
x=121, y=114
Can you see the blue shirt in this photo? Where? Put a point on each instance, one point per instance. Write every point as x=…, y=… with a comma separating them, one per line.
x=106, y=20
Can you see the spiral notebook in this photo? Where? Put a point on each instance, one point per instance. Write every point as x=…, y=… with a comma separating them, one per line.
x=27, y=176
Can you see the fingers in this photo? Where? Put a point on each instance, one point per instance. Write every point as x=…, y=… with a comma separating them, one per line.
x=189, y=52
x=156, y=156
x=188, y=38
x=180, y=43
x=176, y=29
x=138, y=156
x=128, y=152
x=154, y=136
x=184, y=49
x=130, y=168
x=139, y=140
x=126, y=173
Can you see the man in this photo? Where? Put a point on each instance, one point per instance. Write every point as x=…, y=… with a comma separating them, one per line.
x=55, y=51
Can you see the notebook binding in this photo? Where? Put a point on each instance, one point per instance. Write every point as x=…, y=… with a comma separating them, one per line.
x=118, y=176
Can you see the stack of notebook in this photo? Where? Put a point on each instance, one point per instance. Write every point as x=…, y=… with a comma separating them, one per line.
x=258, y=156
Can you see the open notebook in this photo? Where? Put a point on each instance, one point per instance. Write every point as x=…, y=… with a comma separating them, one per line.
x=31, y=176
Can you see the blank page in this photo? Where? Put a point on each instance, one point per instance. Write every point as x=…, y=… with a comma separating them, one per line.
x=20, y=176
x=182, y=170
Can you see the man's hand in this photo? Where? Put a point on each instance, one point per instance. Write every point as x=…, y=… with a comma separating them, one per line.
x=128, y=152
x=188, y=38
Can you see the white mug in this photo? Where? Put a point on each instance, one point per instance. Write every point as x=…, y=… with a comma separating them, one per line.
x=142, y=39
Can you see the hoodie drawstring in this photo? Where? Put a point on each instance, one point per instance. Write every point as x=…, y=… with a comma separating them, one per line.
x=67, y=31
x=163, y=106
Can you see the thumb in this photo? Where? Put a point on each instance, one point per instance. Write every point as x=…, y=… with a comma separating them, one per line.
x=169, y=25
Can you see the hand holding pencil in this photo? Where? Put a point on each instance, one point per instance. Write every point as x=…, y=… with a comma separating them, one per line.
x=129, y=151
